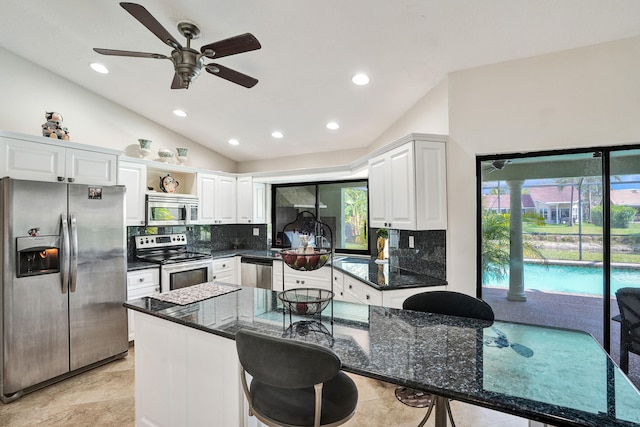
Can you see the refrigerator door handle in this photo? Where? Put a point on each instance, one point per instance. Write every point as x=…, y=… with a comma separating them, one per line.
x=74, y=253
x=65, y=253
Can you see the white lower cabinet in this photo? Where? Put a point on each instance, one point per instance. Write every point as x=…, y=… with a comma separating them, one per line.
x=224, y=270
x=338, y=285
x=395, y=298
x=277, y=274
x=320, y=278
x=345, y=287
x=141, y=283
x=359, y=292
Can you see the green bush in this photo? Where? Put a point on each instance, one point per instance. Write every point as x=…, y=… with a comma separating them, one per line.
x=621, y=216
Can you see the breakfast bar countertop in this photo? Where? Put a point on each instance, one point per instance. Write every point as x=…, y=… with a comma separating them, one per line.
x=557, y=376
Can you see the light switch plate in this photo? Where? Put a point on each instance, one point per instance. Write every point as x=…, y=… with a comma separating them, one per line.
x=256, y=231
x=411, y=242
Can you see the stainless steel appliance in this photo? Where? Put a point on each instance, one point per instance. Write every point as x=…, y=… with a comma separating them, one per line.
x=170, y=209
x=179, y=267
x=63, y=282
x=256, y=272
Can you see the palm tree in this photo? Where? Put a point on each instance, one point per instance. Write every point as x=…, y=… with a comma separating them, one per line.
x=496, y=242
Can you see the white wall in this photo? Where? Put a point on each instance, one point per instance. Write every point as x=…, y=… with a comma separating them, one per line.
x=429, y=115
x=579, y=98
x=28, y=90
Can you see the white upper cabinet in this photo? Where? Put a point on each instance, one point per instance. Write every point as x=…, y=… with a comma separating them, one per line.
x=259, y=203
x=251, y=201
x=245, y=200
x=407, y=187
x=431, y=185
x=217, y=195
x=37, y=158
x=134, y=177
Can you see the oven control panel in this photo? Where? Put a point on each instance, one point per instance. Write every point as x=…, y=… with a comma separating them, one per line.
x=161, y=241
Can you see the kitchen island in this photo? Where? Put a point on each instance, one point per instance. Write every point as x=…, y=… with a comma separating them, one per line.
x=187, y=371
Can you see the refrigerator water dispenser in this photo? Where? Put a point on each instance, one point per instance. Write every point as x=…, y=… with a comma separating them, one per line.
x=38, y=255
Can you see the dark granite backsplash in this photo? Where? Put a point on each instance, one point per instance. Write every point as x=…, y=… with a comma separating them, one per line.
x=207, y=237
x=428, y=256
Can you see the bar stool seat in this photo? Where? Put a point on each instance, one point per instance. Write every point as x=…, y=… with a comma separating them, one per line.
x=294, y=383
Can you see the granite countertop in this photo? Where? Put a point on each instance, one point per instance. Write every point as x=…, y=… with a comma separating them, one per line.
x=379, y=276
x=557, y=376
x=136, y=264
x=382, y=277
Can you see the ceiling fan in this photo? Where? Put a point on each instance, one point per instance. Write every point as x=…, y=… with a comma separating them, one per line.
x=188, y=62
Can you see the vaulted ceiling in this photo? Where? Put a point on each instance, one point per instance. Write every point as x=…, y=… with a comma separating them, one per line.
x=310, y=50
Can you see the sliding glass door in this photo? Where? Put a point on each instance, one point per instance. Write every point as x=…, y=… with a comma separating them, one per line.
x=624, y=238
x=559, y=234
x=541, y=255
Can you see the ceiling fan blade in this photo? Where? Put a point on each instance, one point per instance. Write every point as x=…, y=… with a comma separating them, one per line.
x=231, y=75
x=146, y=19
x=130, y=53
x=233, y=45
x=177, y=82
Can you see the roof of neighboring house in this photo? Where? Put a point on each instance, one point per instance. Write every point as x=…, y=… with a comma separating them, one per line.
x=553, y=194
x=628, y=197
x=491, y=201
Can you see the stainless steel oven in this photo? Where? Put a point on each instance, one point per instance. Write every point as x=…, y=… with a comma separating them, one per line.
x=182, y=274
x=171, y=210
x=179, y=267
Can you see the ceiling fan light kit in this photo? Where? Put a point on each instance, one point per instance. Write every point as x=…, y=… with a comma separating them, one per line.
x=188, y=62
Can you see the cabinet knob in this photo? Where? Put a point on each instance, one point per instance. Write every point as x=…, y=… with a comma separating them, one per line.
x=141, y=279
x=350, y=287
x=157, y=289
x=367, y=296
x=71, y=179
x=61, y=178
x=224, y=265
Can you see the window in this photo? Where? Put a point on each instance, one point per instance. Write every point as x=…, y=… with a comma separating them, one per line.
x=343, y=206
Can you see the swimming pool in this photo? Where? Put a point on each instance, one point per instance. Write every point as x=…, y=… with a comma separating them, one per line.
x=571, y=279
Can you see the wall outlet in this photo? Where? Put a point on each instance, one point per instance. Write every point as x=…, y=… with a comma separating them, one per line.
x=412, y=243
x=256, y=231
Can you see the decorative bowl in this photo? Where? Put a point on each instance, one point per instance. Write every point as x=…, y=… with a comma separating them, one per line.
x=305, y=261
x=307, y=301
x=165, y=155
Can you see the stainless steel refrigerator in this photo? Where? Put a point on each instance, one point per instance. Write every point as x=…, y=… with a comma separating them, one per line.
x=63, y=281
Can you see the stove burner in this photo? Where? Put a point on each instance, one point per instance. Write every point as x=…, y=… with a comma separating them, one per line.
x=172, y=258
x=166, y=249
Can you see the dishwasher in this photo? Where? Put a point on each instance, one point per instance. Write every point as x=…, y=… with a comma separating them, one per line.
x=256, y=272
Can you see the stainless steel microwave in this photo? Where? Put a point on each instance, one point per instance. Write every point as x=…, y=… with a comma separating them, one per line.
x=171, y=210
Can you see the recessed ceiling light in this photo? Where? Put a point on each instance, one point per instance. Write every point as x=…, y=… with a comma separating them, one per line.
x=179, y=113
x=332, y=125
x=360, y=79
x=234, y=142
x=277, y=134
x=99, y=68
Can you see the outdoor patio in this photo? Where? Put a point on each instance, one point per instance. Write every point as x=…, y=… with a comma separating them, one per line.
x=562, y=310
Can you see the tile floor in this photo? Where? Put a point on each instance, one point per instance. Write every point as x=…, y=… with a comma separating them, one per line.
x=104, y=397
